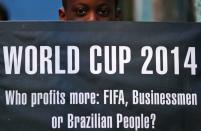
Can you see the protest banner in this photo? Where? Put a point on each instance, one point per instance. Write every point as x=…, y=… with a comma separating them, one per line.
x=100, y=76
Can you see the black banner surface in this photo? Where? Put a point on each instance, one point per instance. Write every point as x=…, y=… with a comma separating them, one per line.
x=100, y=76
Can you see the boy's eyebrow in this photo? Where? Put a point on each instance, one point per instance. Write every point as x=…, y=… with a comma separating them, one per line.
x=104, y=5
x=80, y=3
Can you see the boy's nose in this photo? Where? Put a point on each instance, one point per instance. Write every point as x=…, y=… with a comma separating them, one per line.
x=92, y=17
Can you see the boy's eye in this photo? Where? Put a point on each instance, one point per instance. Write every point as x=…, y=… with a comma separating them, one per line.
x=81, y=11
x=103, y=11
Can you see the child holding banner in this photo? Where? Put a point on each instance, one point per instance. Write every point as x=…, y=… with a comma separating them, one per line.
x=89, y=10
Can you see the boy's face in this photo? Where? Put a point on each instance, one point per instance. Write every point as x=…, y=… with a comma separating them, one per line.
x=89, y=10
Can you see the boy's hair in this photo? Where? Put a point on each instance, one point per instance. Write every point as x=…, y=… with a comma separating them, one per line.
x=64, y=3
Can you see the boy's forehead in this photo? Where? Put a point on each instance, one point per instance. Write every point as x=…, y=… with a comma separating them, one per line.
x=91, y=1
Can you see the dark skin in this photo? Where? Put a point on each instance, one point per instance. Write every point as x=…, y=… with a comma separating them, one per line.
x=89, y=10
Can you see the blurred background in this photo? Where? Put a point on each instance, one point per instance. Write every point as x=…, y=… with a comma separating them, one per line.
x=136, y=10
